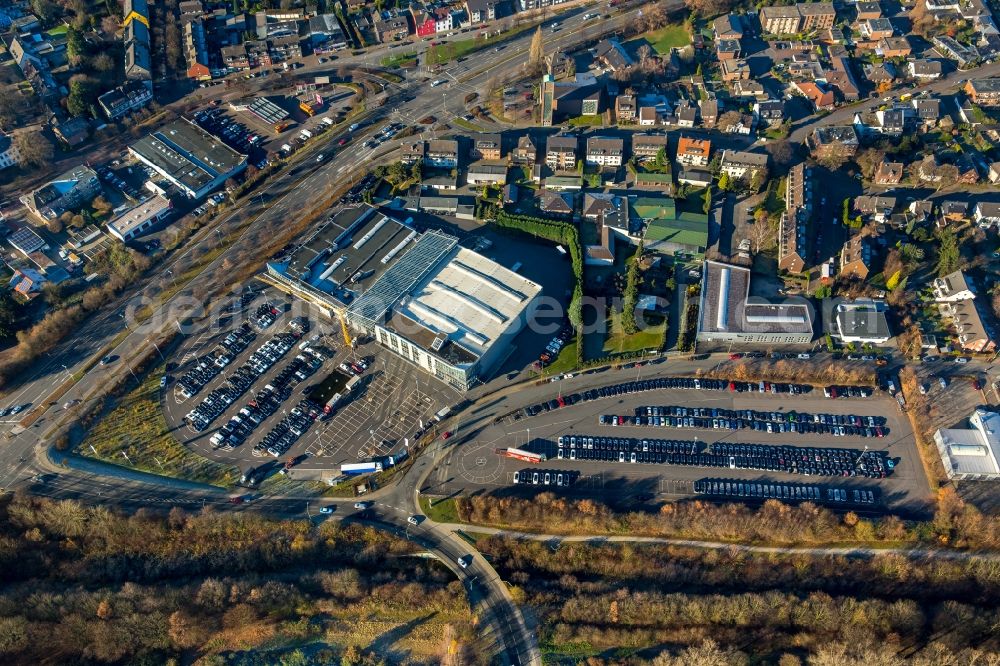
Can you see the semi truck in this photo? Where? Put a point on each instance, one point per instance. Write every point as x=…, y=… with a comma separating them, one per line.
x=356, y=469
x=521, y=454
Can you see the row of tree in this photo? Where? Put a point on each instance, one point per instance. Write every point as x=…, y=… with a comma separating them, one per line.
x=955, y=522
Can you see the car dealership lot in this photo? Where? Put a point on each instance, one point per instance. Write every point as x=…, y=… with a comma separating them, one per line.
x=905, y=488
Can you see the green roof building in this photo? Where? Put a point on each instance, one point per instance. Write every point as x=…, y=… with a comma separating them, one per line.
x=668, y=230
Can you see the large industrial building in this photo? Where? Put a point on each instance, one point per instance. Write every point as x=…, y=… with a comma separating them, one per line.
x=189, y=157
x=728, y=313
x=442, y=307
x=972, y=453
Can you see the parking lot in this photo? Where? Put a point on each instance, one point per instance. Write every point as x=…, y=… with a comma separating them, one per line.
x=243, y=393
x=631, y=462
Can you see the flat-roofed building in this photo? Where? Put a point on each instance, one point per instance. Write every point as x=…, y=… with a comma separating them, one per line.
x=446, y=309
x=971, y=453
x=484, y=173
x=190, y=158
x=140, y=219
x=779, y=20
x=728, y=313
x=862, y=321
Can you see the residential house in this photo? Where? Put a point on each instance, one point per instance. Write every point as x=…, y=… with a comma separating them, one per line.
x=748, y=88
x=994, y=172
x=883, y=73
x=392, y=30
x=709, y=109
x=424, y=23
x=737, y=164
x=444, y=19
x=69, y=191
x=526, y=153
x=840, y=78
x=235, y=57
x=986, y=214
x=560, y=152
x=821, y=98
x=964, y=54
x=894, y=47
x=625, y=109
x=647, y=146
x=778, y=20
x=686, y=114
x=925, y=70
x=195, y=50
x=876, y=29
x=284, y=48
x=325, y=33
x=486, y=147
x=972, y=332
x=648, y=116
x=125, y=99
x=480, y=11
x=612, y=55
x=441, y=153
x=856, y=257
x=862, y=322
x=802, y=17
x=72, y=131
x=891, y=122
x=770, y=112
x=921, y=209
x=878, y=208
x=695, y=177
x=984, y=92
x=728, y=49
x=928, y=111
x=833, y=141
x=258, y=53
x=605, y=151
x=952, y=211
x=889, y=173
x=693, y=152
x=817, y=16
x=483, y=173
x=734, y=70
x=728, y=26
x=412, y=152
x=867, y=10
x=794, y=227
x=952, y=288
x=27, y=282
x=558, y=204
x=9, y=154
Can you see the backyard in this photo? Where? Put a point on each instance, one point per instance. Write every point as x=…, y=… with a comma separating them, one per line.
x=672, y=36
x=649, y=336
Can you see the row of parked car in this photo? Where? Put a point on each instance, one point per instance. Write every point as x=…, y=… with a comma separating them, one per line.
x=239, y=382
x=356, y=193
x=235, y=134
x=808, y=460
x=847, y=392
x=239, y=428
x=209, y=366
x=265, y=315
x=641, y=386
x=793, y=460
x=706, y=418
x=783, y=491
x=289, y=429
x=269, y=400
x=544, y=477
x=554, y=346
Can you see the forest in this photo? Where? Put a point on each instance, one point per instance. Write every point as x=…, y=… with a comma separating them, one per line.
x=672, y=605
x=84, y=585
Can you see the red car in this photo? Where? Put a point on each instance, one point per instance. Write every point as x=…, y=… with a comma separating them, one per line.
x=561, y=401
x=735, y=356
x=342, y=142
x=976, y=385
x=446, y=435
x=732, y=387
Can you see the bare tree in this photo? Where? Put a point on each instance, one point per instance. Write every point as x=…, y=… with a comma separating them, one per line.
x=34, y=148
x=536, y=52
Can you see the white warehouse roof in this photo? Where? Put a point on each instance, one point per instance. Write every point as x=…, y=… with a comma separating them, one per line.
x=972, y=452
x=470, y=299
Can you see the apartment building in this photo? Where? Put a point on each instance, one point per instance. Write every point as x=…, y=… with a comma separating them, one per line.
x=605, y=151
x=560, y=153
x=693, y=152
